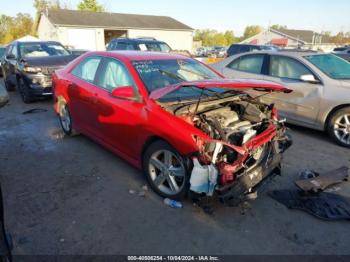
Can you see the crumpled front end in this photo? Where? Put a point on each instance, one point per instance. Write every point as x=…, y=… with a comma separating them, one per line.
x=244, y=144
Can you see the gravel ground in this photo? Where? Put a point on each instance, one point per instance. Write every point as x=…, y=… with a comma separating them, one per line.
x=70, y=196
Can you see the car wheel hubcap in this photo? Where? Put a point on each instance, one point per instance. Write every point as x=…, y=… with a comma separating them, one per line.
x=167, y=172
x=342, y=129
x=65, y=118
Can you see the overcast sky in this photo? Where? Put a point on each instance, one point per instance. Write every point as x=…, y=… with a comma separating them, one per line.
x=319, y=15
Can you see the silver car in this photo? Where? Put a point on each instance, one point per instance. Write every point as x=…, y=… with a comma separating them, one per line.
x=320, y=84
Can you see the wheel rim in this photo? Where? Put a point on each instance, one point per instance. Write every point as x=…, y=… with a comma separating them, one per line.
x=167, y=172
x=65, y=118
x=342, y=129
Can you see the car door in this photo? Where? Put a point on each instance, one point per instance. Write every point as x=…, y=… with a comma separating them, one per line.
x=10, y=63
x=245, y=66
x=302, y=105
x=119, y=120
x=82, y=93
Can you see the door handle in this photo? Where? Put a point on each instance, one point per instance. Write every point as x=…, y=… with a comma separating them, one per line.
x=72, y=85
x=94, y=98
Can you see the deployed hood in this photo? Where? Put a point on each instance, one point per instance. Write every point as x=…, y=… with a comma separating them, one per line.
x=262, y=85
x=49, y=61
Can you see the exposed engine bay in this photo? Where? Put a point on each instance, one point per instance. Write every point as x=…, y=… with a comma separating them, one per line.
x=232, y=123
x=234, y=119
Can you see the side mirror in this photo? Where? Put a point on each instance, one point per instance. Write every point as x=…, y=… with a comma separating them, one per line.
x=10, y=57
x=124, y=92
x=309, y=78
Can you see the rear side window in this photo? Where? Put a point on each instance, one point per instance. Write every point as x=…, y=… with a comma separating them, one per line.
x=234, y=49
x=113, y=75
x=87, y=69
x=123, y=46
x=245, y=48
x=286, y=67
x=248, y=63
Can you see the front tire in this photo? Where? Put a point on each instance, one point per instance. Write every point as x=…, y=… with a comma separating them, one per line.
x=166, y=170
x=24, y=91
x=339, y=127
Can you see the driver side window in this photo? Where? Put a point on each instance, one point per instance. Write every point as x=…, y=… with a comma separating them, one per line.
x=114, y=75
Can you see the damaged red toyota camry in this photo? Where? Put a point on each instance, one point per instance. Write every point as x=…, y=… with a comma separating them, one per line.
x=179, y=121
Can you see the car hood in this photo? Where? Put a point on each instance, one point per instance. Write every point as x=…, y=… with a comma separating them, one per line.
x=241, y=84
x=48, y=61
x=345, y=83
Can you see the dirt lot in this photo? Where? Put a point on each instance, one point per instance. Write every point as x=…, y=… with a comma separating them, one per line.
x=70, y=196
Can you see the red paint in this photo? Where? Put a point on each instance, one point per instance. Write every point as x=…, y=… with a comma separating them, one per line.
x=125, y=125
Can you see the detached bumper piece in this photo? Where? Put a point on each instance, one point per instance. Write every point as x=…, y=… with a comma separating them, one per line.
x=247, y=183
x=323, y=205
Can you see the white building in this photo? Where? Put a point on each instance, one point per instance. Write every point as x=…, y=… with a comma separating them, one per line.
x=291, y=38
x=93, y=31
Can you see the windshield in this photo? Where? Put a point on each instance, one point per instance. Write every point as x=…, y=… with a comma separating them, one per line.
x=41, y=49
x=2, y=51
x=331, y=65
x=157, y=74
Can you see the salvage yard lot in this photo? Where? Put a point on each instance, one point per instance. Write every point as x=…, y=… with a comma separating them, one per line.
x=71, y=196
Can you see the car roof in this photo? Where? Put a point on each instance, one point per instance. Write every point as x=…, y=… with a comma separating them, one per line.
x=142, y=55
x=137, y=40
x=292, y=53
x=36, y=42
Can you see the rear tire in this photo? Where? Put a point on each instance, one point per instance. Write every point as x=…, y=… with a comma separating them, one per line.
x=339, y=127
x=66, y=121
x=166, y=171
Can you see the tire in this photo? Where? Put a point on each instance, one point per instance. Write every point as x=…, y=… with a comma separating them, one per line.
x=339, y=127
x=9, y=87
x=166, y=171
x=23, y=89
x=66, y=121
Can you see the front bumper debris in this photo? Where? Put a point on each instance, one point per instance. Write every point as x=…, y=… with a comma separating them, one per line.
x=248, y=182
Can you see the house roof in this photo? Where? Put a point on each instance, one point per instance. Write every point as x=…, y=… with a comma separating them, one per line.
x=302, y=35
x=65, y=17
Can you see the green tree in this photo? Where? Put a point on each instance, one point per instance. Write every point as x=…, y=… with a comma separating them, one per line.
x=211, y=37
x=90, y=5
x=230, y=37
x=278, y=27
x=251, y=31
x=42, y=6
x=5, y=23
x=12, y=28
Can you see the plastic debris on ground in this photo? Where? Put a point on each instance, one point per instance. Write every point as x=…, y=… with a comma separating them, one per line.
x=140, y=193
x=323, y=205
x=172, y=203
x=333, y=204
x=321, y=182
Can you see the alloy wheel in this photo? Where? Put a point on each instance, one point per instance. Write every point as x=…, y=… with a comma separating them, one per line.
x=167, y=171
x=65, y=119
x=342, y=128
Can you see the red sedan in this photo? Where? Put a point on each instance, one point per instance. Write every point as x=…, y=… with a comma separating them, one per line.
x=160, y=111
